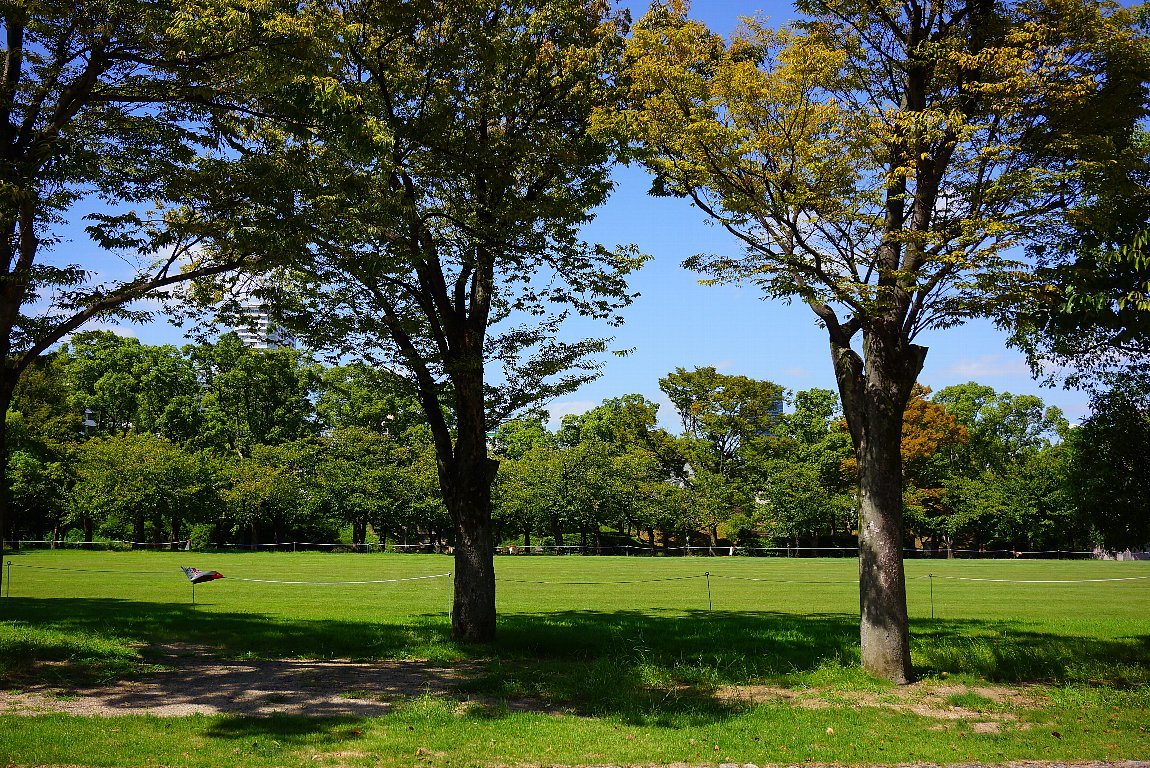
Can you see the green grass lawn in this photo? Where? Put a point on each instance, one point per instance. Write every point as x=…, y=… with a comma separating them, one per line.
x=645, y=672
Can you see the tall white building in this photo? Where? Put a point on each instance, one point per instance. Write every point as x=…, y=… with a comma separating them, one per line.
x=258, y=329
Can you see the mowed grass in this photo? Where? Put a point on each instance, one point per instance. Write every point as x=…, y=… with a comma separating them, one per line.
x=639, y=666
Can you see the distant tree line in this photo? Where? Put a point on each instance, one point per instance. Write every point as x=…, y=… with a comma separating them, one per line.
x=218, y=443
x=982, y=470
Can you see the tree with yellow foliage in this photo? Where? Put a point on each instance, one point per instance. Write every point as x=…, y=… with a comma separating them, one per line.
x=880, y=161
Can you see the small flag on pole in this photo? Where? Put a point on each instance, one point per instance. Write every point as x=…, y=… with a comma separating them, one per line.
x=196, y=576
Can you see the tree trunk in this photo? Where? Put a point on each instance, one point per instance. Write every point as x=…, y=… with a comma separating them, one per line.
x=882, y=585
x=466, y=474
x=874, y=396
x=469, y=501
x=556, y=531
x=473, y=611
x=6, y=390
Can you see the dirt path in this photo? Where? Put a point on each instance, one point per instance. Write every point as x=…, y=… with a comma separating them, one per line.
x=193, y=684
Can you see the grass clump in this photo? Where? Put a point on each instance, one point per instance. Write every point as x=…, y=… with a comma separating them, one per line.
x=63, y=657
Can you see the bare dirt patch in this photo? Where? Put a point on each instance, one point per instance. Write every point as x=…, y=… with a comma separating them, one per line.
x=193, y=683
x=927, y=699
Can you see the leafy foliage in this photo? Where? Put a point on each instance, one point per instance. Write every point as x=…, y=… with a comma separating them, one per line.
x=1109, y=465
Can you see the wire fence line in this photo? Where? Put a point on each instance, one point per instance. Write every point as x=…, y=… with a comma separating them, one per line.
x=563, y=549
x=336, y=583
x=168, y=572
x=234, y=578
x=633, y=581
x=1031, y=581
x=707, y=575
x=90, y=570
x=509, y=580
x=782, y=581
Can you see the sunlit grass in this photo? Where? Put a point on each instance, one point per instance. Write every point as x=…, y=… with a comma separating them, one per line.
x=626, y=672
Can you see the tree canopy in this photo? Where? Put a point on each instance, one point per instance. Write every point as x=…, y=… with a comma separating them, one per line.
x=451, y=161
x=881, y=162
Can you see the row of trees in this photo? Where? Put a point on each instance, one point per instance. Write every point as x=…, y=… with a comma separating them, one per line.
x=422, y=169
x=216, y=442
x=222, y=443
x=982, y=470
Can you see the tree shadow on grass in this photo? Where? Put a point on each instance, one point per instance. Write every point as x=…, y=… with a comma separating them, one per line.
x=96, y=641
x=289, y=730
x=232, y=635
x=687, y=668
x=658, y=668
x=1005, y=652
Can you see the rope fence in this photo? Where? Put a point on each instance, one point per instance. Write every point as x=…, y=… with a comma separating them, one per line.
x=338, y=583
x=635, y=581
x=88, y=570
x=1032, y=581
x=707, y=575
x=567, y=549
x=781, y=581
x=168, y=572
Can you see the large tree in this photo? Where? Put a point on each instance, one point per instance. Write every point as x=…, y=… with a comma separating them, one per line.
x=1002, y=427
x=878, y=161
x=106, y=100
x=122, y=384
x=454, y=160
x=808, y=470
x=140, y=486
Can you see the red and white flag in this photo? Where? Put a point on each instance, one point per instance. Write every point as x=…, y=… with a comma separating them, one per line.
x=196, y=576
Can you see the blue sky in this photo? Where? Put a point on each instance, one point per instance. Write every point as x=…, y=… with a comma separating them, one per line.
x=678, y=323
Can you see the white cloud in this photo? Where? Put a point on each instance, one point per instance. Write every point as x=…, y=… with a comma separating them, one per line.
x=723, y=365
x=124, y=331
x=989, y=366
x=569, y=408
x=797, y=373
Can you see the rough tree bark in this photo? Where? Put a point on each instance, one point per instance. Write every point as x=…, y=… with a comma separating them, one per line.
x=874, y=393
x=466, y=479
